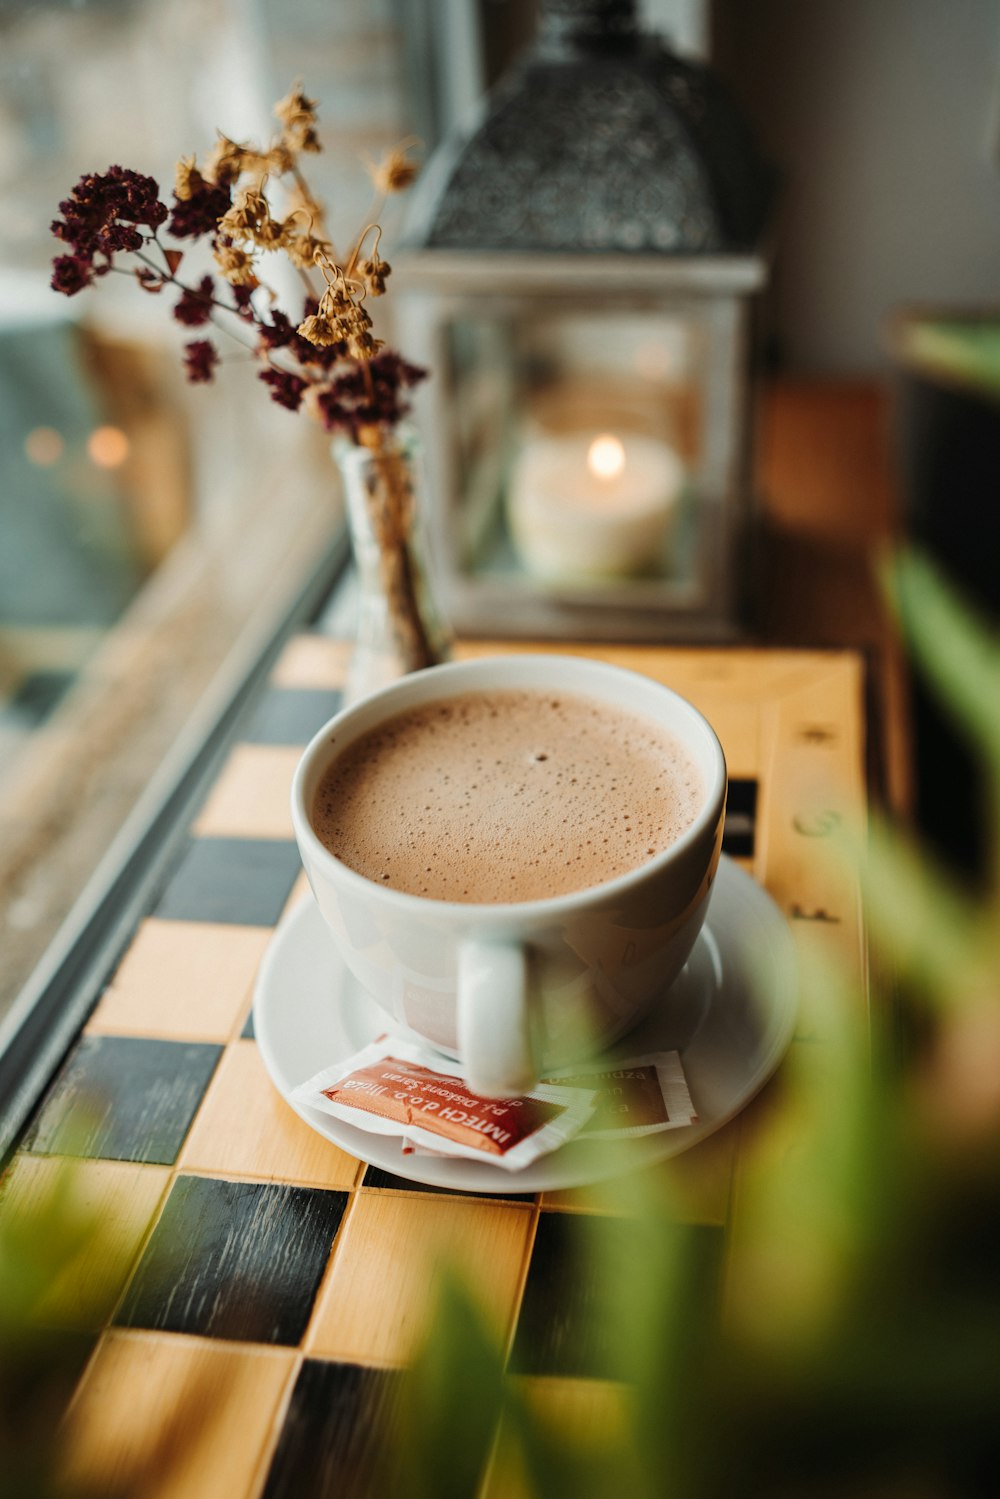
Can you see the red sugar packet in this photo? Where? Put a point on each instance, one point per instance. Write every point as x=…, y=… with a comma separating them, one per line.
x=389, y=1089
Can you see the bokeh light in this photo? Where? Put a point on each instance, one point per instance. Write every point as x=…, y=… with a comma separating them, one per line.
x=44, y=446
x=108, y=447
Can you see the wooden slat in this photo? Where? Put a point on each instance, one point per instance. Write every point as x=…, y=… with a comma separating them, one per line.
x=251, y=797
x=177, y=1417
x=117, y=1201
x=375, y=1304
x=811, y=818
x=244, y=1127
x=182, y=980
x=739, y=674
x=312, y=661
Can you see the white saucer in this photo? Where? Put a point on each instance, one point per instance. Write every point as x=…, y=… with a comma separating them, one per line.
x=309, y=1012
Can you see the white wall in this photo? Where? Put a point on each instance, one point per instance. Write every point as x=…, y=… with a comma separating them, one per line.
x=881, y=113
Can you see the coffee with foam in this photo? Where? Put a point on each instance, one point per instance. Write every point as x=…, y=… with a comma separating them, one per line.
x=506, y=796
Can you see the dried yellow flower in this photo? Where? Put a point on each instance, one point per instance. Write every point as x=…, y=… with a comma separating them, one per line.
x=302, y=250
x=356, y=319
x=278, y=160
x=249, y=219
x=253, y=203
x=363, y=346
x=319, y=330
x=298, y=115
x=395, y=172
x=270, y=234
x=335, y=301
x=236, y=224
x=295, y=107
x=302, y=138
x=375, y=272
x=225, y=161
x=301, y=200
x=236, y=265
x=254, y=162
x=187, y=178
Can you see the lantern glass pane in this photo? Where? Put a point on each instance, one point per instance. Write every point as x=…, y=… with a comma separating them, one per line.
x=579, y=442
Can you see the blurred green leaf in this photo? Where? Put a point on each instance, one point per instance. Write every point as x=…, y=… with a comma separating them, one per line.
x=952, y=645
x=967, y=351
x=39, y=1364
x=451, y=1403
x=932, y=931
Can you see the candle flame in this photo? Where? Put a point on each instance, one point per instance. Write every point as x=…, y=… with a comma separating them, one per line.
x=606, y=456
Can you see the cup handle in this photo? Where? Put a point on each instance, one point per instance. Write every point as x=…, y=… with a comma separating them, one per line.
x=495, y=1038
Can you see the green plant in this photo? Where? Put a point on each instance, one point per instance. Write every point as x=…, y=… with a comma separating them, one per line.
x=67, y=1244
x=858, y=1352
x=39, y=1362
x=966, y=351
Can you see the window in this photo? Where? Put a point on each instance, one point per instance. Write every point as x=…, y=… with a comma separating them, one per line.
x=152, y=534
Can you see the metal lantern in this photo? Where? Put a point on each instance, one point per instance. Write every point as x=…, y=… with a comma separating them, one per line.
x=578, y=274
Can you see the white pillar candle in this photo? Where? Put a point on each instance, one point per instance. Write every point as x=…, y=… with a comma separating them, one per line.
x=593, y=505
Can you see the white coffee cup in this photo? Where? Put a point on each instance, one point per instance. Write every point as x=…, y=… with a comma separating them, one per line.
x=511, y=989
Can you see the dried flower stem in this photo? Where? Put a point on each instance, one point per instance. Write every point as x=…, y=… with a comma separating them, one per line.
x=352, y=263
x=170, y=278
x=389, y=503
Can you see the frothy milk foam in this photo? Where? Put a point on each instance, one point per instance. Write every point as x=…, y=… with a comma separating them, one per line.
x=506, y=796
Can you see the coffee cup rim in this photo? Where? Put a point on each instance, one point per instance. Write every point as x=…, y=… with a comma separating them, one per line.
x=455, y=672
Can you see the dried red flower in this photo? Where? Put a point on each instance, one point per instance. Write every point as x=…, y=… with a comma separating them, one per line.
x=70, y=274
x=114, y=237
x=101, y=201
x=277, y=334
x=200, y=359
x=286, y=389
x=192, y=217
x=243, y=301
x=321, y=356
x=195, y=306
x=349, y=403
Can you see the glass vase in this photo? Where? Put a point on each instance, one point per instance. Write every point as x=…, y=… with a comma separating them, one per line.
x=399, y=626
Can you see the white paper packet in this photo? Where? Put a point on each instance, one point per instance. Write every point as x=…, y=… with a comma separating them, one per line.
x=638, y=1096
x=395, y=1088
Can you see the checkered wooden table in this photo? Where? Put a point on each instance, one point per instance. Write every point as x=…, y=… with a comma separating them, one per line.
x=266, y=1270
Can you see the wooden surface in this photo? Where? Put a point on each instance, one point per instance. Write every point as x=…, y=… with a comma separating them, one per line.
x=830, y=516
x=268, y=1281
